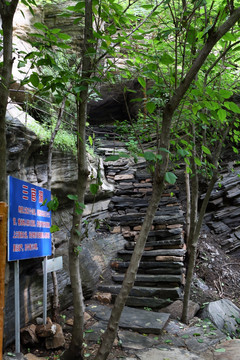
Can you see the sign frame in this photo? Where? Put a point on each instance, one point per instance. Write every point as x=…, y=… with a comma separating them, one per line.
x=29, y=221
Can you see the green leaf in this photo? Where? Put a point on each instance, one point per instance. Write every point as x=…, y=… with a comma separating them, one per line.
x=53, y=204
x=94, y=188
x=34, y=79
x=159, y=157
x=222, y=115
x=225, y=93
x=182, y=152
x=40, y=26
x=166, y=59
x=232, y=106
x=164, y=150
x=112, y=158
x=63, y=36
x=79, y=207
x=150, y=107
x=229, y=37
x=55, y=31
x=149, y=156
x=170, y=178
x=90, y=139
x=73, y=197
x=142, y=82
x=191, y=35
x=54, y=228
x=197, y=161
x=206, y=150
x=200, y=340
x=221, y=350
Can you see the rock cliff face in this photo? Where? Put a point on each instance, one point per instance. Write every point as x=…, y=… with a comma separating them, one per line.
x=27, y=161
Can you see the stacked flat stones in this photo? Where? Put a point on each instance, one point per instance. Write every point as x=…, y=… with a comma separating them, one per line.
x=161, y=272
x=223, y=216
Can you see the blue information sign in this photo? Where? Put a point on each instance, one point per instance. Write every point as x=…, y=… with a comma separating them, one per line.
x=29, y=221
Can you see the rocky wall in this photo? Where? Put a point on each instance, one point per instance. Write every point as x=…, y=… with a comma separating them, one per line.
x=26, y=160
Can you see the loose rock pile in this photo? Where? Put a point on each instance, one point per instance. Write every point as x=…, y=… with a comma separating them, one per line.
x=161, y=271
x=51, y=334
x=224, y=212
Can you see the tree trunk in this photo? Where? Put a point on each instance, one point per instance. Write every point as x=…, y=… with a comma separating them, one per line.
x=192, y=247
x=55, y=300
x=7, y=12
x=75, y=349
x=194, y=236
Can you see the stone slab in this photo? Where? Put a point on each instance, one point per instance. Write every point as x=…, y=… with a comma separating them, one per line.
x=153, y=279
x=94, y=333
x=142, y=321
x=132, y=340
x=230, y=348
x=163, y=292
x=166, y=354
x=146, y=302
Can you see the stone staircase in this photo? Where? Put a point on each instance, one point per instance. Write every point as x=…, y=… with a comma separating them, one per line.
x=160, y=276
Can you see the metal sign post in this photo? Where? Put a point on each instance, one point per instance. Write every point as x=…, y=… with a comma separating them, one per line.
x=45, y=291
x=17, y=307
x=49, y=265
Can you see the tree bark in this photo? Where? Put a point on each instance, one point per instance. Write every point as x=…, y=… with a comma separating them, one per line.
x=194, y=236
x=55, y=300
x=7, y=13
x=76, y=346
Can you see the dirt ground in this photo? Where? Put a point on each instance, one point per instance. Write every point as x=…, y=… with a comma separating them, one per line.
x=216, y=270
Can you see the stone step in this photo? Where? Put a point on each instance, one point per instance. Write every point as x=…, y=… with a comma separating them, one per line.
x=133, y=219
x=155, y=253
x=141, y=291
x=149, y=302
x=151, y=280
x=165, y=233
x=153, y=245
x=142, y=321
x=166, y=267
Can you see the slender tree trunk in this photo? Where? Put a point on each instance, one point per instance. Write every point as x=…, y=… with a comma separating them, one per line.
x=75, y=349
x=194, y=236
x=188, y=201
x=55, y=303
x=192, y=248
x=7, y=12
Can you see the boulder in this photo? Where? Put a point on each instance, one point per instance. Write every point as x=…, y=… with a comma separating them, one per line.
x=57, y=340
x=28, y=335
x=175, y=309
x=224, y=314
